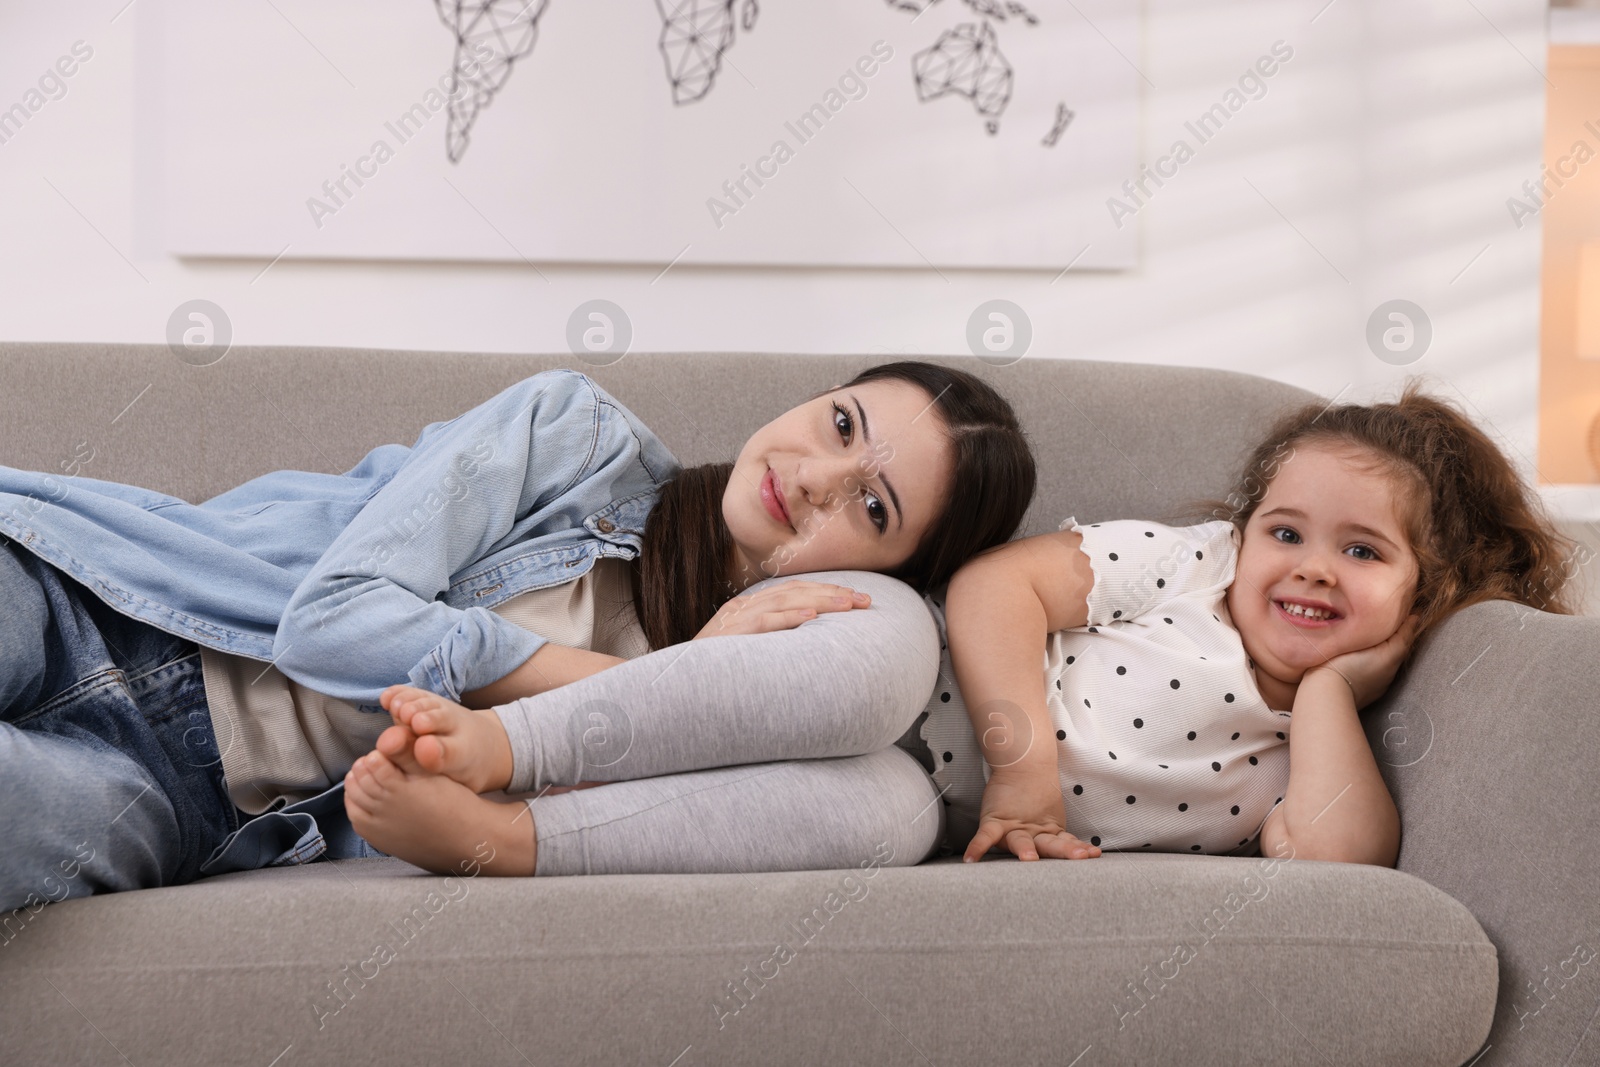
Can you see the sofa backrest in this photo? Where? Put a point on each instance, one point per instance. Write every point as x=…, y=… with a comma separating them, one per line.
x=1113, y=440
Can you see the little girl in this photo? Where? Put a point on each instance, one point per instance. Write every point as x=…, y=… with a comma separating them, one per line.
x=1175, y=657
x=1174, y=660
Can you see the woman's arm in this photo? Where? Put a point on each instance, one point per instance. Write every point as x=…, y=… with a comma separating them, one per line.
x=372, y=610
x=549, y=668
x=769, y=607
x=844, y=683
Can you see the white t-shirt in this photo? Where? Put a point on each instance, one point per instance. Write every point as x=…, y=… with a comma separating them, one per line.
x=281, y=741
x=1163, y=740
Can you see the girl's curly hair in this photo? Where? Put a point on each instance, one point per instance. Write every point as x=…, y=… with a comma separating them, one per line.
x=1476, y=528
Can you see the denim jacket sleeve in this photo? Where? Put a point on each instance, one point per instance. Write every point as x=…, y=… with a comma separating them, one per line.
x=369, y=613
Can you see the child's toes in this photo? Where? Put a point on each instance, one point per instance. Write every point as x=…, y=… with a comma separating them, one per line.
x=395, y=740
x=356, y=800
x=429, y=753
x=384, y=772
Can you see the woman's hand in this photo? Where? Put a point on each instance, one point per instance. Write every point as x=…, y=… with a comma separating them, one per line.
x=1369, y=671
x=780, y=607
x=1023, y=809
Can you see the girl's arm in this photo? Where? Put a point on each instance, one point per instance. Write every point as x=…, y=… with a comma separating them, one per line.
x=999, y=609
x=1337, y=807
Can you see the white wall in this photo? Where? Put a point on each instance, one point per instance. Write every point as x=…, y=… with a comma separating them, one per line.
x=1377, y=166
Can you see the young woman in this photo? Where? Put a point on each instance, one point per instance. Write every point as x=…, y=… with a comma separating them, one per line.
x=183, y=687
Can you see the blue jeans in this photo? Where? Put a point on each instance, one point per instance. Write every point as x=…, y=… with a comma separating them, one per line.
x=110, y=778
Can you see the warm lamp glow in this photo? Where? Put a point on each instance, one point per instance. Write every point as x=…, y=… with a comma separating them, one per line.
x=1589, y=302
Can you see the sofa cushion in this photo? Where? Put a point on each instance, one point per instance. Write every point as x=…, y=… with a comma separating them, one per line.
x=1135, y=959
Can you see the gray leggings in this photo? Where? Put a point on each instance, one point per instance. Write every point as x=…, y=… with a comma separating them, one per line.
x=751, y=752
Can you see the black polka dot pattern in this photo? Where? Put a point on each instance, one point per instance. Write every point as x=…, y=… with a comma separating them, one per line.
x=1124, y=684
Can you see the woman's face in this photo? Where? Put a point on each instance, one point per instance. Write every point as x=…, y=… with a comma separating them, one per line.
x=848, y=481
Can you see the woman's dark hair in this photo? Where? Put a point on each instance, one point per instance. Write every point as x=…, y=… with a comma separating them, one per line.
x=681, y=577
x=1474, y=524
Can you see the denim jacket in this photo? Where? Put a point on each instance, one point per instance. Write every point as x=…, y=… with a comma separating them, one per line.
x=387, y=573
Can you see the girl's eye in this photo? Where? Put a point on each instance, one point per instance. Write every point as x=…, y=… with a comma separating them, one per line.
x=877, y=512
x=1371, y=553
x=1289, y=537
x=848, y=426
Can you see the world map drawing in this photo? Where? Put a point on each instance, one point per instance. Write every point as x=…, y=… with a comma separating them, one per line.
x=492, y=36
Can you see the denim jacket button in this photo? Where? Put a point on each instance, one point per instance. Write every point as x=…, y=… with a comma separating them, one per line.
x=605, y=526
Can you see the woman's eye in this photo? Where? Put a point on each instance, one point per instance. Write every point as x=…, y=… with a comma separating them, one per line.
x=1284, y=534
x=1369, y=552
x=843, y=423
x=877, y=512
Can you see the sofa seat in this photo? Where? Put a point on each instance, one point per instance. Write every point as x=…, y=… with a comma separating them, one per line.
x=1125, y=959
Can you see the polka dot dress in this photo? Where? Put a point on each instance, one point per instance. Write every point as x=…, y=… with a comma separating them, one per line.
x=1163, y=742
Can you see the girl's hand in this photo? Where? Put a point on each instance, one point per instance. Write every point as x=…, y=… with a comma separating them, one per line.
x=1023, y=809
x=781, y=607
x=1369, y=671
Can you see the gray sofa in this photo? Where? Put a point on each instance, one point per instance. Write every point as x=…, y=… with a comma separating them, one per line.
x=1479, y=948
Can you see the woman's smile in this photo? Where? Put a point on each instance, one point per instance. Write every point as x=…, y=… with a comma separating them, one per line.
x=772, y=498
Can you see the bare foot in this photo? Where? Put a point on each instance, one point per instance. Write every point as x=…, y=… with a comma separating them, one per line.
x=436, y=823
x=438, y=736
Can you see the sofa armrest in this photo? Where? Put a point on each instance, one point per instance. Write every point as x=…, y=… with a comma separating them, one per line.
x=1490, y=745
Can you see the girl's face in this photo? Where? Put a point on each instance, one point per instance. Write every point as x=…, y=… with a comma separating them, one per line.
x=1325, y=566
x=848, y=481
